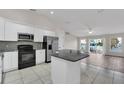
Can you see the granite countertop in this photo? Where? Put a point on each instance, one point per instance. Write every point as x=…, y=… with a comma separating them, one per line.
x=70, y=55
x=2, y=51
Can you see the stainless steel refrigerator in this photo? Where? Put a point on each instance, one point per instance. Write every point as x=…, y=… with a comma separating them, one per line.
x=50, y=44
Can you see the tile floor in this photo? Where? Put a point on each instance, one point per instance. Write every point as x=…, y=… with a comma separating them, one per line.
x=41, y=74
x=108, y=62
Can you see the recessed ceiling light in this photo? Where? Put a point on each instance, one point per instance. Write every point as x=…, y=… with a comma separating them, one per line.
x=51, y=12
x=90, y=32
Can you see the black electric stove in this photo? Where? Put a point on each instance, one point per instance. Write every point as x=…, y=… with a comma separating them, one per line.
x=26, y=56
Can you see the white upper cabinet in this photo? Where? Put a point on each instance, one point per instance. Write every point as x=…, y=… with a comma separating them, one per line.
x=1, y=29
x=12, y=30
x=38, y=35
x=25, y=29
x=9, y=31
x=48, y=33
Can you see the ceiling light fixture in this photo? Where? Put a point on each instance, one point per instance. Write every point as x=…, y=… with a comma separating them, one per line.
x=90, y=29
x=90, y=32
x=51, y=12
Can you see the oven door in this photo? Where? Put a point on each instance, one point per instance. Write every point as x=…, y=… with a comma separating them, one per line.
x=26, y=59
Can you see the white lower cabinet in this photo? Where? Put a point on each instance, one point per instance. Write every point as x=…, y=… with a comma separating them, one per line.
x=14, y=60
x=0, y=77
x=48, y=33
x=10, y=61
x=40, y=56
x=0, y=70
x=0, y=63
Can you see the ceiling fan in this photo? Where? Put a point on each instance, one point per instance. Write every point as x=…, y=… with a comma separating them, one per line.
x=90, y=29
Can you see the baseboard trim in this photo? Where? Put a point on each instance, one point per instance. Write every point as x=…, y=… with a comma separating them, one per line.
x=115, y=56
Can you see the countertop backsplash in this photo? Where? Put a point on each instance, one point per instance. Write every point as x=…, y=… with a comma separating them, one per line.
x=12, y=45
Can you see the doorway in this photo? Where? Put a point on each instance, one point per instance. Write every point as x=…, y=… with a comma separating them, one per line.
x=83, y=45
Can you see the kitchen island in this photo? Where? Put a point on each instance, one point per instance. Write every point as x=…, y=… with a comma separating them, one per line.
x=65, y=66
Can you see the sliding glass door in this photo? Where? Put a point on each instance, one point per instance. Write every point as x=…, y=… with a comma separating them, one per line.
x=96, y=46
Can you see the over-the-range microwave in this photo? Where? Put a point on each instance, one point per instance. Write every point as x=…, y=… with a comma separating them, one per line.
x=25, y=37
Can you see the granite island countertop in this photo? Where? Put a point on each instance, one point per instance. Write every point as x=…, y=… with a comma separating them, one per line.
x=70, y=55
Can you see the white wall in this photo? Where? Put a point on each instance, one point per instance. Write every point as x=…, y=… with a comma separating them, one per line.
x=67, y=41
x=107, y=43
x=61, y=35
x=71, y=42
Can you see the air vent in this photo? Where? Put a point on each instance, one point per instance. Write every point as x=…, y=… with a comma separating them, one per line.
x=67, y=33
x=33, y=10
x=100, y=11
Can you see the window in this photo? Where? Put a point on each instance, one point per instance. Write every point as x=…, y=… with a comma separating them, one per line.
x=116, y=44
x=96, y=45
x=83, y=45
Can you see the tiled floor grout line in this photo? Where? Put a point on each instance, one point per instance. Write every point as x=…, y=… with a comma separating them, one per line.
x=8, y=72
x=113, y=77
x=21, y=77
x=110, y=59
x=90, y=66
x=33, y=80
x=83, y=74
x=95, y=76
x=38, y=75
x=113, y=73
x=44, y=69
x=105, y=68
x=3, y=78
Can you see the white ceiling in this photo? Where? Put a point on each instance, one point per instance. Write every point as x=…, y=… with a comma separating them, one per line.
x=79, y=21
x=26, y=17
